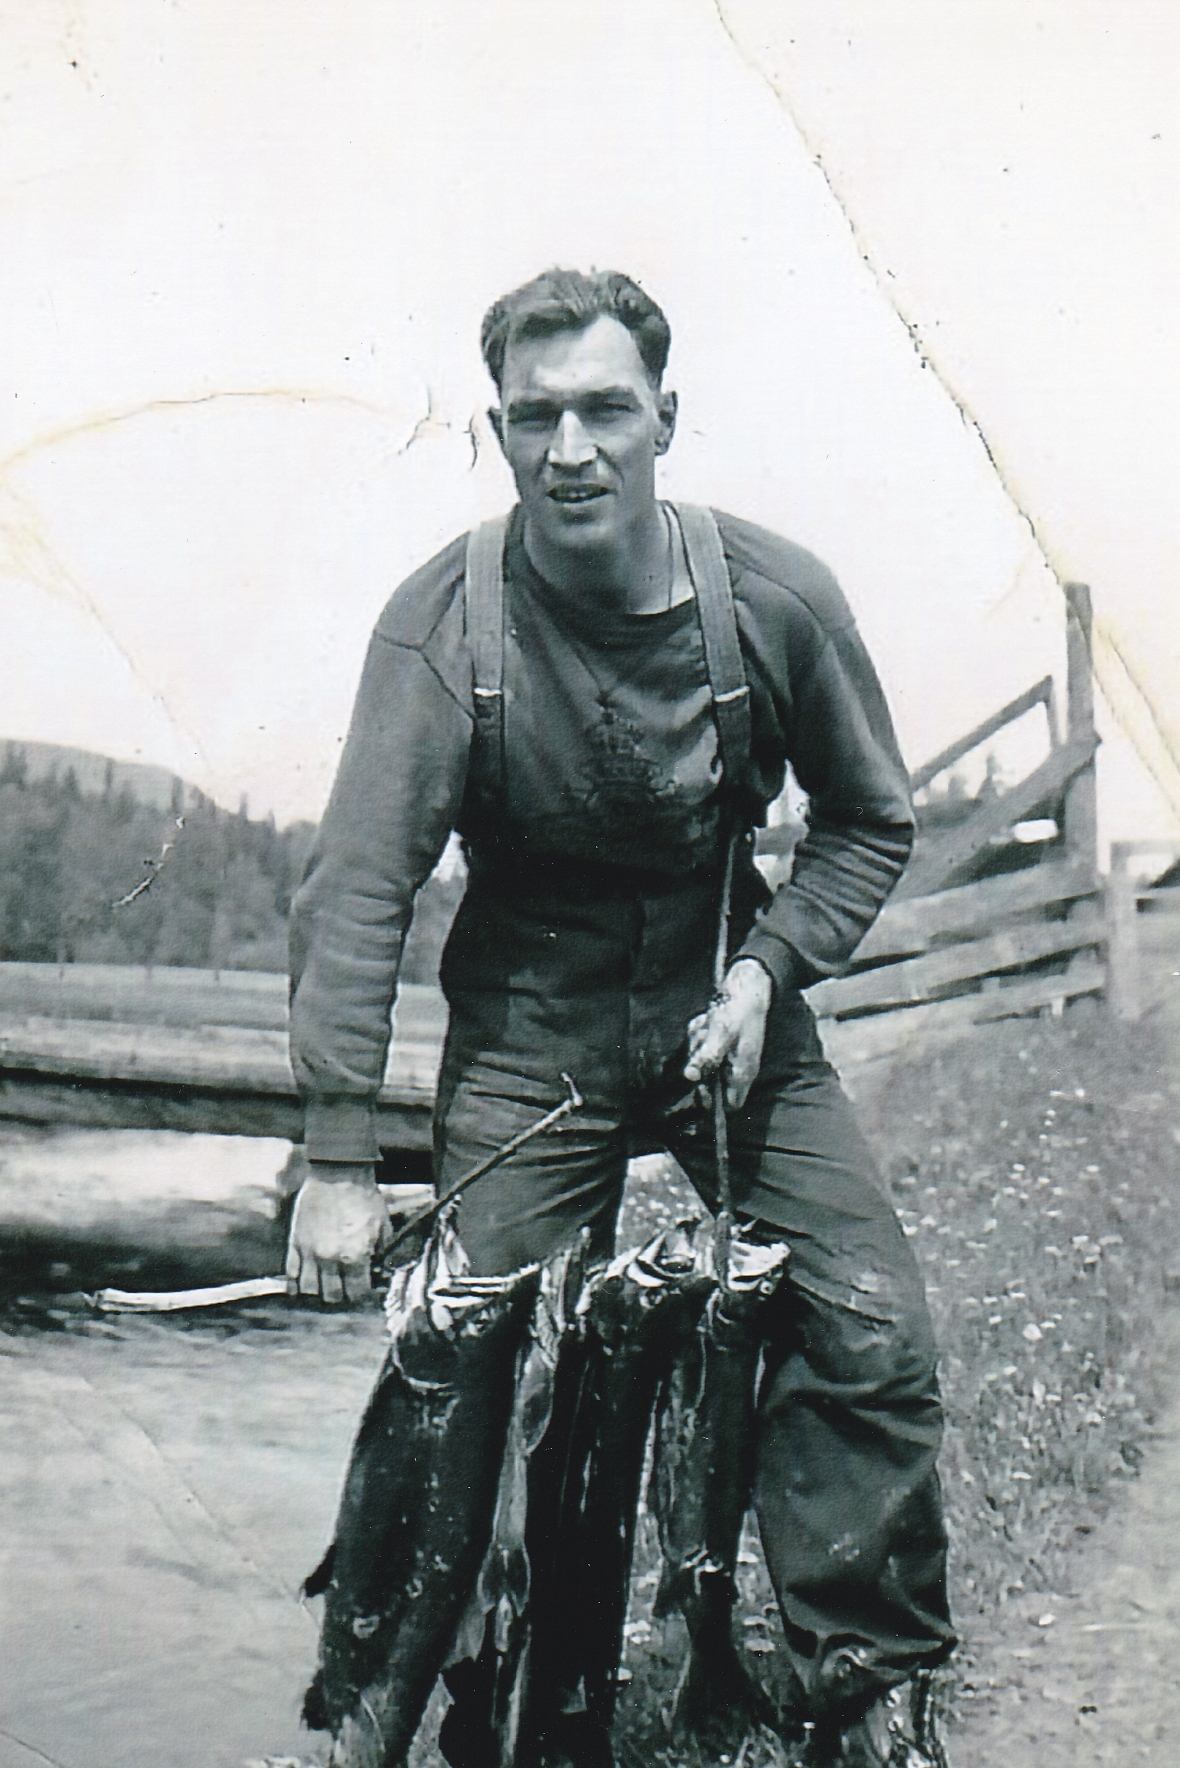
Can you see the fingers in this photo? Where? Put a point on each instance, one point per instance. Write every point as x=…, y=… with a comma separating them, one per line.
x=710, y=1040
x=325, y=1280
x=729, y=1037
x=302, y=1272
x=358, y=1282
x=291, y=1269
x=744, y=1061
x=739, y=1077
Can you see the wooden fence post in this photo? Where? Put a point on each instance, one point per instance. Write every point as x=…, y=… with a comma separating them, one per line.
x=1122, y=950
x=1080, y=808
x=1081, y=798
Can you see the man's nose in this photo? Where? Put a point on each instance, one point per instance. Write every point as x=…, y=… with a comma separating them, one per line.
x=571, y=445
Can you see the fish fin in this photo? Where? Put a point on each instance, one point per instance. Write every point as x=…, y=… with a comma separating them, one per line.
x=317, y=1581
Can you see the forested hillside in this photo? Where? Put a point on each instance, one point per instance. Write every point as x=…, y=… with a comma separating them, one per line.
x=72, y=857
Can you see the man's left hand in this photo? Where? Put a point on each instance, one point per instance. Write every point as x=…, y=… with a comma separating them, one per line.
x=729, y=1036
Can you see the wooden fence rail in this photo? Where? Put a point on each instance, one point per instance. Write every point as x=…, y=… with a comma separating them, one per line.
x=108, y=1046
x=950, y=950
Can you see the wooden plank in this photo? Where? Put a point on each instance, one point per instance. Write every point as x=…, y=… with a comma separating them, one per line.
x=36, y=1098
x=1040, y=694
x=917, y=979
x=206, y=1056
x=135, y=995
x=935, y=867
x=852, y=1042
x=909, y=927
x=87, y=1049
x=161, y=995
x=61, y=1100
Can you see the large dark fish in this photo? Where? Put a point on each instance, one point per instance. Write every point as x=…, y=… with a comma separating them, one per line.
x=702, y=1478
x=538, y=1679
x=416, y=1512
x=489, y=1676
x=637, y=1313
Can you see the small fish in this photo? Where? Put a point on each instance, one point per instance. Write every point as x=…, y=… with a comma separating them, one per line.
x=701, y=1482
x=417, y=1509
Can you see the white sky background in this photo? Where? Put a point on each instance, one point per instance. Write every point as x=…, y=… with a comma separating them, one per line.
x=244, y=251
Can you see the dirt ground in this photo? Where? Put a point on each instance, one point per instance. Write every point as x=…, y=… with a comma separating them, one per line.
x=1087, y=1675
x=167, y=1486
x=1084, y=1675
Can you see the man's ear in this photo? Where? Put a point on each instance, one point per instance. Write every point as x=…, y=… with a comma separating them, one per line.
x=667, y=409
x=496, y=419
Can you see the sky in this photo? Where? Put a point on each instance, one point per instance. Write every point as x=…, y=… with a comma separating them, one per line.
x=918, y=262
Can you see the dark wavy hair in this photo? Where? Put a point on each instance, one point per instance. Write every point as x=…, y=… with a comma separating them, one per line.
x=570, y=300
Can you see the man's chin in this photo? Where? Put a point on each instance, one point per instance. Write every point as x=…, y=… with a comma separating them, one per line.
x=589, y=521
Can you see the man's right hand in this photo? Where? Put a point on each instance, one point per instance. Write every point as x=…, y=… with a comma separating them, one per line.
x=340, y=1220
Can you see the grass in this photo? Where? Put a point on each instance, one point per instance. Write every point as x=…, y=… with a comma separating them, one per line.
x=1034, y=1166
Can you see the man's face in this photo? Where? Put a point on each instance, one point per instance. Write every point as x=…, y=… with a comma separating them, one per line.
x=581, y=426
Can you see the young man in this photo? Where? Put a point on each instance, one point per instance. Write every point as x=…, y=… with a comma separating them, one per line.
x=598, y=770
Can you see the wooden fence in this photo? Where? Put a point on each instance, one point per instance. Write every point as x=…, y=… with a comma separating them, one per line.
x=956, y=946
x=1126, y=897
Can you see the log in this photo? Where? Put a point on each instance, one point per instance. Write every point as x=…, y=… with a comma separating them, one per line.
x=150, y=1210
x=918, y=979
x=134, y=994
x=31, y=1098
x=130, y=994
x=229, y=1078
x=146, y=1210
x=203, y=1056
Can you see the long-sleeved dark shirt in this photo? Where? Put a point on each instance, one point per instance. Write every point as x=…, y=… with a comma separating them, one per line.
x=611, y=760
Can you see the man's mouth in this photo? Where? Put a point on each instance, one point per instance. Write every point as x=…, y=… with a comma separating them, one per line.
x=575, y=494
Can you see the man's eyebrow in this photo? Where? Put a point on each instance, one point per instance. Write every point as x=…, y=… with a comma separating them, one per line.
x=610, y=393
x=555, y=401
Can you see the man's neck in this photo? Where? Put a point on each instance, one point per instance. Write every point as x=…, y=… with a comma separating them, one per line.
x=635, y=576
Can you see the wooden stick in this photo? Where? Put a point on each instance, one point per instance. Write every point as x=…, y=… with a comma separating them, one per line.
x=724, y=1227
x=170, y=1301
x=573, y=1102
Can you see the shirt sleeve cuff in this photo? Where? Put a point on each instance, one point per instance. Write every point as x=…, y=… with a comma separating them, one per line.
x=782, y=963
x=340, y=1128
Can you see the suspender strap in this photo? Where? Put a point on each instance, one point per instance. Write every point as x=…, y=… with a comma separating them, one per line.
x=723, y=656
x=484, y=594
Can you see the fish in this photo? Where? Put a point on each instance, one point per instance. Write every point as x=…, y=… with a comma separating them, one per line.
x=700, y=1490
x=636, y=1313
x=537, y=1675
x=416, y=1513
x=489, y=1675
